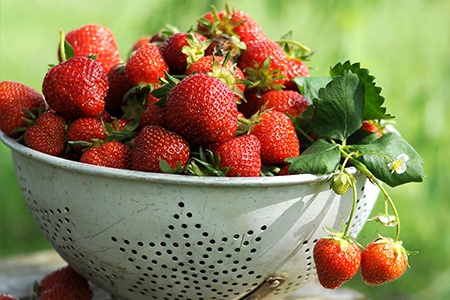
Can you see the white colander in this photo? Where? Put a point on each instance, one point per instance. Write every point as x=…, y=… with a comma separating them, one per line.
x=158, y=236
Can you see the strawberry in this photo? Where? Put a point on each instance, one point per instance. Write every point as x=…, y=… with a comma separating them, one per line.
x=94, y=39
x=265, y=64
x=146, y=65
x=223, y=69
x=7, y=297
x=295, y=68
x=278, y=137
x=181, y=49
x=231, y=22
x=337, y=260
x=118, y=87
x=241, y=155
x=85, y=130
x=371, y=126
x=383, y=260
x=47, y=134
x=15, y=99
x=64, y=283
x=76, y=88
x=154, y=144
x=140, y=42
x=202, y=109
x=290, y=102
x=153, y=114
x=111, y=154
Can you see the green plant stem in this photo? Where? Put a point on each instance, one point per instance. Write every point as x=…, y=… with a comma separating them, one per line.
x=361, y=167
x=352, y=212
x=295, y=43
x=62, y=51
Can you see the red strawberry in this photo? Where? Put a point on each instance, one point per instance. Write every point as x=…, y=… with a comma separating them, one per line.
x=290, y=102
x=337, y=260
x=153, y=114
x=146, y=65
x=202, y=109
x=231, y=22
x=371, y=126
x=222, y=69
x=96, y=40
x=64, y=283
x=47, y=134
x=250, y=106
x=383, y=260
x=265, y=64
x=15, y=99
x=76, y=88
x=278, y=137
x=85, y=130
x=295, y=68
x=140, y=42
x=242, y=155
x=7, y=297
x=111, y=154
x=155, y=143
x=182, y=49
x=118, y=87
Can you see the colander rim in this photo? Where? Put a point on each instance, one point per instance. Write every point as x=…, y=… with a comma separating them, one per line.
x=82, y=168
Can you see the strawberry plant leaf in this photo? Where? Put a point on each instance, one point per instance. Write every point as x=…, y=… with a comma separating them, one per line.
x=339, y=107
x=391, y=145
x=373, y=99
x=309, y=86
x=321, y=157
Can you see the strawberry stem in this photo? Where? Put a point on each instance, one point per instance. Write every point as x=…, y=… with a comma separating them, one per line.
x=361, y=167
x=352, y=212
x=62, y=50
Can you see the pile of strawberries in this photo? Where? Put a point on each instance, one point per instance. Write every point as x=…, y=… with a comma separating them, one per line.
x=218, y=100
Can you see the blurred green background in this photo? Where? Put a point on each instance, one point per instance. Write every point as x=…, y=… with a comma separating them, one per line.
x=404, y=43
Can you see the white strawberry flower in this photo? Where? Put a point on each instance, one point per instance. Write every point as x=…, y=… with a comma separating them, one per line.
x=398, y=165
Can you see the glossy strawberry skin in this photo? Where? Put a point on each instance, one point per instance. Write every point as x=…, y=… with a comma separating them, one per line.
x=290, y=102
x=383, y=260
x=94, y=39
x=85, y=130
x=76, y=88
x=242, y=155
x=146, y=65
x=278, y=138
x=172, y=51
x=202, y=109
x=47, y=134
x=336, y=261
x=155, y=143
x=255, y=55
x=153, y=114
x=295, y=68
x=111, y=154
x=118, y=86
x=228, y=72
x=15, y=98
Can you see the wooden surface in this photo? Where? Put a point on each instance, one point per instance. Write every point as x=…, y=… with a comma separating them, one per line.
x=18, y=274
